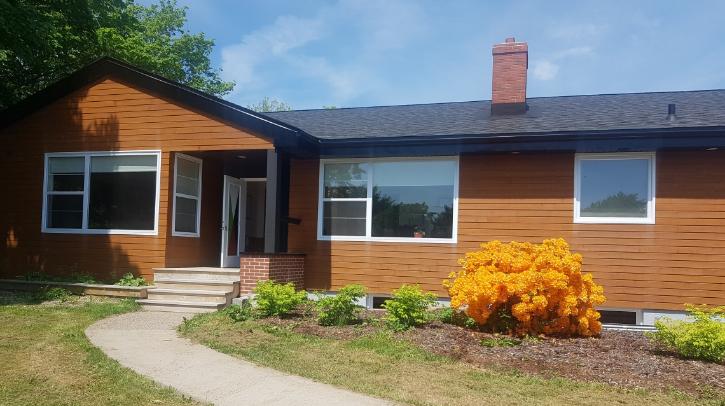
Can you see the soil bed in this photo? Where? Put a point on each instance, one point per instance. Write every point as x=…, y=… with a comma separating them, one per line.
x=620, y=358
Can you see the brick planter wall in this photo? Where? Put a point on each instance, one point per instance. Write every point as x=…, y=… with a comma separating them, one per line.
x=281, y=268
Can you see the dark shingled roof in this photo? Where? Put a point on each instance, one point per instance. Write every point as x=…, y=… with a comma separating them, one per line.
x=629, y=111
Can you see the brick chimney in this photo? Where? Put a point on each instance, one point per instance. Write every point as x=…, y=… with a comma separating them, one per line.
x=510, y=62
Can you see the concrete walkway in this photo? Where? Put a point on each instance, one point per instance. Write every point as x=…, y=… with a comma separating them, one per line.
x=147, y=343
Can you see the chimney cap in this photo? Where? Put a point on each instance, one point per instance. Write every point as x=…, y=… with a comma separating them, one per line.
x=510, y=39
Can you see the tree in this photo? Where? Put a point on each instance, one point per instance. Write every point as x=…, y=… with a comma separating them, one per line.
x=43, y=41
x=269, y=105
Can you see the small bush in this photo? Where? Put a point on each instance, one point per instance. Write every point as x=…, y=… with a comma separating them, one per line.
x=54, y=293
x=276, y=299
x=527, y=289
x=408, y=307
x=456, y=317
x=129, y=280
x=341, y=309
x=703, y=338
x=241, y=312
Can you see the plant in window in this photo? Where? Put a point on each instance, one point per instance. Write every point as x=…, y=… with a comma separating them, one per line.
x=341, y=309
x=408, y=307
x=527, y=289
x=277, y=299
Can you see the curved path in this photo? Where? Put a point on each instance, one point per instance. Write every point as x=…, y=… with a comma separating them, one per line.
x=147, y=343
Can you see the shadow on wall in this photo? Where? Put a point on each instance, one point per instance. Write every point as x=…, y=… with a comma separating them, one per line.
x=74, y=123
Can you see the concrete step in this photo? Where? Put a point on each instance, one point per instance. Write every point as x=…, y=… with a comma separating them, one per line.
x=198, y=274
x=189, y=295
x=179, y=306
x=195, y=284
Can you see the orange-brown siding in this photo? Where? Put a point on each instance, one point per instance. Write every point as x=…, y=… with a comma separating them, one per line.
x=680, y=259
x=106, y=116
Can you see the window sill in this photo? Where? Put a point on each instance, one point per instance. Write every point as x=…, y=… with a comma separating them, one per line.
x=613, y=220
x=391, y=239
x=185, y=235
x=98, y=232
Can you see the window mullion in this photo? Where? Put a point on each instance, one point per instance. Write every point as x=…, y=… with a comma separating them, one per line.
x=369, y=203
x=86, y=190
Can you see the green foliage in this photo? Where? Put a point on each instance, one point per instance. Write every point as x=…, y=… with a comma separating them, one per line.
x=42, y=42
x=129, y=280
x=456, y=317
x=341, y=309
x=54, y=293
x=75, y=277
x=408, y=307
x=276, y=299
x=269, y=105
x=500, y=341
x=703, y=338
x=241, y=312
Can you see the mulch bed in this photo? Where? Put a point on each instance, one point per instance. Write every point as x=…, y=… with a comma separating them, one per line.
x=619, y=358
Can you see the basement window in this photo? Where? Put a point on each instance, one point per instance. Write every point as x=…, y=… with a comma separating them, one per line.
x=393, y=200
x=618, y=317
x=614, y=188
x=101, y=193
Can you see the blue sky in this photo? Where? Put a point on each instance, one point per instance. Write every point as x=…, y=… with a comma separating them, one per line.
x=378, y=52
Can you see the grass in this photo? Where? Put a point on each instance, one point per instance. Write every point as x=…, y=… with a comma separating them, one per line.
x=46, y=359
x=383, y=366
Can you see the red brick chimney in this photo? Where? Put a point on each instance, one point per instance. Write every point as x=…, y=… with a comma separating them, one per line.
x=510, y=62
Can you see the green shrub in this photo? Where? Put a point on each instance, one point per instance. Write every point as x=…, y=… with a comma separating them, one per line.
x=241, y=312
x=276, y=299
x=456, y=317
x=703, y=338
x=341, y=309
x=129, y=280
x=408, y=307
x=54, y=293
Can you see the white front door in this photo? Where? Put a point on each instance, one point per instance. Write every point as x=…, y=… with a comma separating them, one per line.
x=233, y=215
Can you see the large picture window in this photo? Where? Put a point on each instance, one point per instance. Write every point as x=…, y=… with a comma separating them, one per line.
x=614, y=188
x=389, y=200
x=187, y=196
x=101, y=193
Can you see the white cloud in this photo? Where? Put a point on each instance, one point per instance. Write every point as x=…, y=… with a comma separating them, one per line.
x=377, y=26
x=545, y=70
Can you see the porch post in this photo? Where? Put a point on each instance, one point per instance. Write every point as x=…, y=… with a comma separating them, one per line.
x=270, y=213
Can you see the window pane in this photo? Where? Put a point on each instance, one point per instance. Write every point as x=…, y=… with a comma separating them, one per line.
x=344, y=218
x=614, y=188
x=346, y=180
x=66, y=174
x=65, y=211
x=122, y=200
x=185, y=215
x=187, y=177
x=413, y=199
x=123, y=163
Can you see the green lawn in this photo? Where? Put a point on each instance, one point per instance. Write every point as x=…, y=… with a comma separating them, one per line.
x=383, y=366
x=45, y=358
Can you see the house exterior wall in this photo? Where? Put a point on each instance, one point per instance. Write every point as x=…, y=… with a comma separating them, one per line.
x=106, y=116
x=529, y=197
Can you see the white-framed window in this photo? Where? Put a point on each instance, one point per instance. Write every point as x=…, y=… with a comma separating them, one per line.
x=614, y=188
x=388, y=199
x=101, y=192
x=187, y=196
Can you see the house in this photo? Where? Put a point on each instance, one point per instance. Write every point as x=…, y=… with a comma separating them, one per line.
x=115, y=169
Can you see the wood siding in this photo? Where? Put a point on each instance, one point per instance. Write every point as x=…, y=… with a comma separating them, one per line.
x=106, y=116
x=680, y=259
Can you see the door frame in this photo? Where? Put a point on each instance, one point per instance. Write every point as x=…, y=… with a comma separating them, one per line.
x=225, y=259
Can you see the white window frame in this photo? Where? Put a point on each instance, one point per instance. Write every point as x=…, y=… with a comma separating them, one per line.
x=369, y=199
x=86, y=192
x=652, y=177
x=175, y=233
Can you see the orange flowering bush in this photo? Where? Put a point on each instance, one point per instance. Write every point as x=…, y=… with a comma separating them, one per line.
x=526, y=288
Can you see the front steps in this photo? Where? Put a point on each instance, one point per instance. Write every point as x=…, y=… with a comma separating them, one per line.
x=192, y=290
